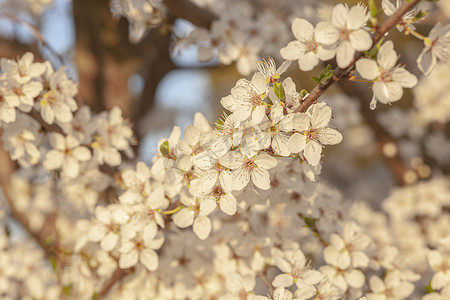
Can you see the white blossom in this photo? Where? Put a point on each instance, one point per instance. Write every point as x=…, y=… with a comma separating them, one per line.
x=254, y=168
x=306, y=49
x=346, y=32
x=315, y=133
x=66, y=154
x=437, y=46
x=389, y=80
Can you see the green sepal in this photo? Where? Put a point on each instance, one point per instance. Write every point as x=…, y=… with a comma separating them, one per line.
x=310, y=222
x=372, y=53
x=66, y=289
x=279, y=90
x=164, y=149
x=53, y=263
x=303, y=93
x=429, y=288
x=373, y=8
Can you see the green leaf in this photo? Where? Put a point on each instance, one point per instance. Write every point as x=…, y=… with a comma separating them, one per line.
x=53, y=263
x=316, y=79
x=303, y=93
x=164, y=149
x=310, y=222
x=66, y=289
x=429, y=288
x=279, y=90
x=326, y=74
x=7, y=230
x=420, y=15
x=372, y=53
x=430, y=0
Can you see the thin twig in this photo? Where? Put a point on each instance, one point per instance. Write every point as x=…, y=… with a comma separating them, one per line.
x=116, y=276
x=263, y=276
x=49, y=128
x=187, y=10
x=36, y=33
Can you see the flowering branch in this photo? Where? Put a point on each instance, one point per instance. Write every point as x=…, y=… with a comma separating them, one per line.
x=341, y=72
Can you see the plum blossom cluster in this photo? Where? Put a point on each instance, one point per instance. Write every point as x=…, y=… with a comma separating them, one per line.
x=263, y=226
x=33, y=98
x=191, y=179
x=342, y=37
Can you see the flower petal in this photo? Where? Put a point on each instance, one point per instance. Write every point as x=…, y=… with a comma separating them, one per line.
x=326, y=33
x=329, y=136
x=313, y=151
x=367, y=68
x=149, y=259
x=360, y=40
x=344, y=54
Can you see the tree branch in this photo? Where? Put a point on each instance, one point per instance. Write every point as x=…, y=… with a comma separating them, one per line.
x=116, y=276
x=5, y=185
x=341, y=72
x=187, y=10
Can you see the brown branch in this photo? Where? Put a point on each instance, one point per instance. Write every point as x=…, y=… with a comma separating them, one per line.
x=5, y=185
x=187, y=10
x=50, y=128
x=116, y=276
x=36, y=33
x=341, y=72
x=263, y=276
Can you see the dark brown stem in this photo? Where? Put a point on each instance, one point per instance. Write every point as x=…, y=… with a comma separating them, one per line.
x=341, y=72
x=116, y=276
x=5, y=185
x=36, y=33
x=263, y=276
x=187, y=10
x=49, y=128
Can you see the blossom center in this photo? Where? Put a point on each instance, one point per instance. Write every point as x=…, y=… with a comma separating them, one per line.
x=386, y=76
x=50, y=96
x=217, y=191
x=311, y=134
x=188, y=177
x=311, y=46
x=273, y=129
x=249, y=164
x=255, y=100
x=18, y=91
x=344, y=34
x=219, y=167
